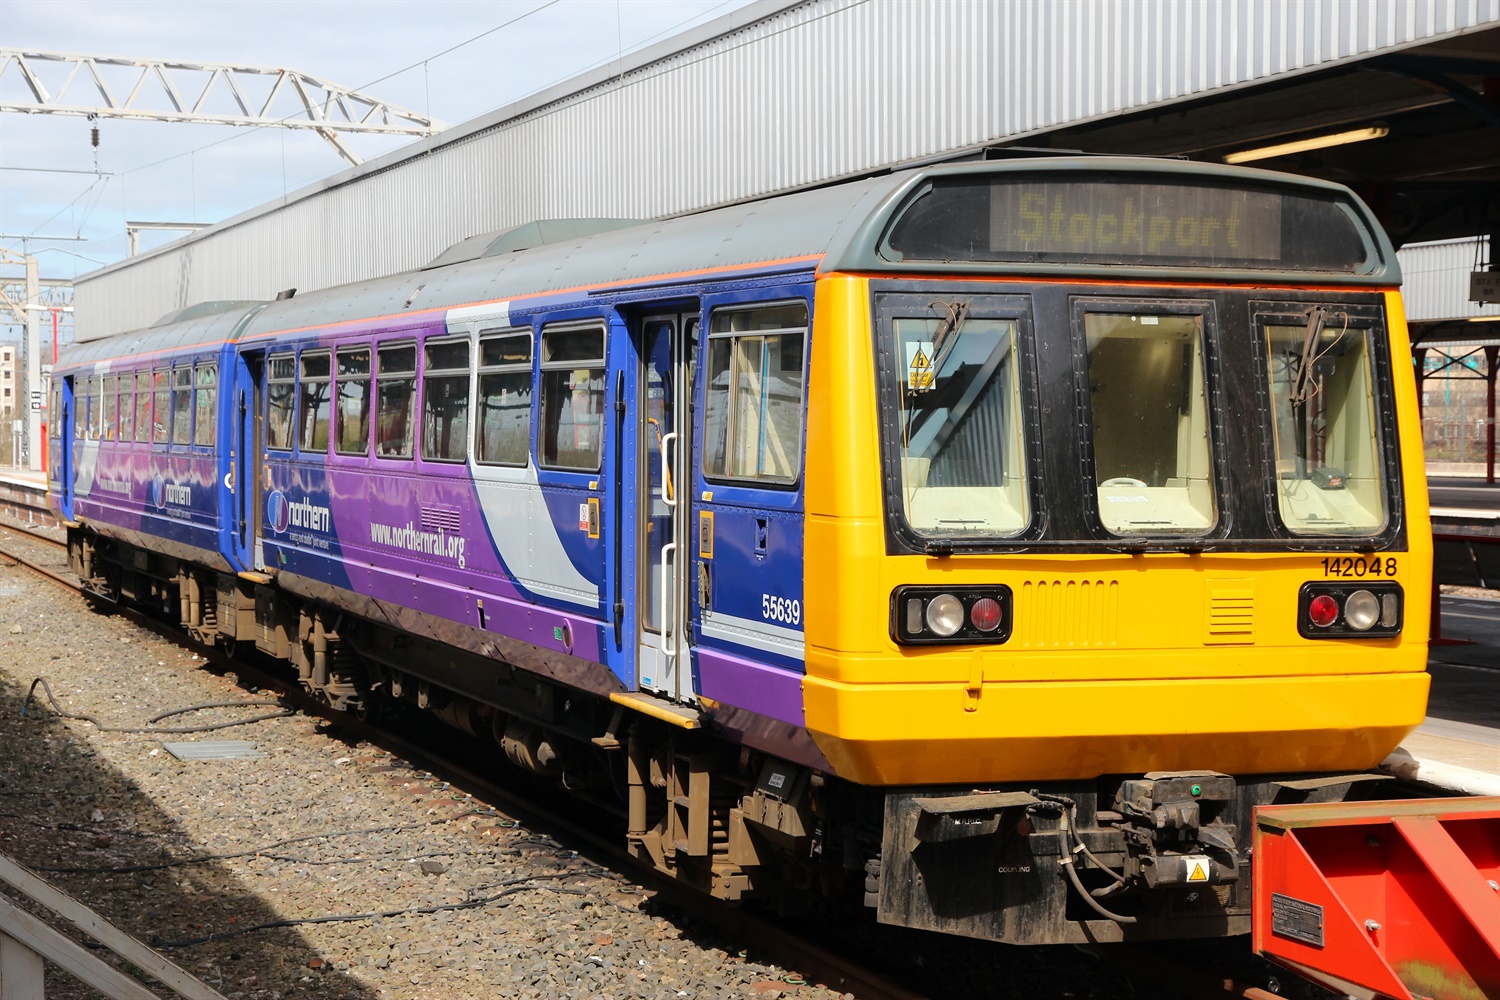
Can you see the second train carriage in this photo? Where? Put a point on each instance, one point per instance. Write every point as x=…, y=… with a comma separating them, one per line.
x=984, y=539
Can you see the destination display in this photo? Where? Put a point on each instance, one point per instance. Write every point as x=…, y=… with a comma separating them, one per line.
x=1117, y=220
x=1138, y=220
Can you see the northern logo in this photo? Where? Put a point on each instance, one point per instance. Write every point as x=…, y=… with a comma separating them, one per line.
x=158, y=493
x=278, y=511
x=283, y=512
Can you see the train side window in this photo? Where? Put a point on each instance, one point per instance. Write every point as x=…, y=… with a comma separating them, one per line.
x=395, y=394
x=504, y=403
x=161, y=395
x=352, y=415
x=127, y=407
x=182, y=405
x=205, y=404
x=143, y=406
x=572, y=430
x=1149, y=423
x=445, y=401
x=1329, y=476
x=111, y=417
x=753, y=411
x=90, y=410
x=54, y=410
x=314, y=404
x=281, y=396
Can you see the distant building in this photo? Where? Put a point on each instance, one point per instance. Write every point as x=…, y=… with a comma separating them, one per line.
x=10, y=399
x=10, y=381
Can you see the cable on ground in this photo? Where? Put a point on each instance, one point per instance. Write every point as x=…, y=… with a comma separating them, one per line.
x=519, y=885
x=164, y=730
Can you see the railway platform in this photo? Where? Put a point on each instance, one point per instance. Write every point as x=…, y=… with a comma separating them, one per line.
x=1465, y=531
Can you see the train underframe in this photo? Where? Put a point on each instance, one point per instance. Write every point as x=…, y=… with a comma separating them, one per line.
x=1120, y=857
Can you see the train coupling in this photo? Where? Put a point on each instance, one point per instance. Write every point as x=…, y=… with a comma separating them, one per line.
x=1175, y=828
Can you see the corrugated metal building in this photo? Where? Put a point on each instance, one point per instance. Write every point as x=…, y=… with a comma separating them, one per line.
x=773, y=97
x=1436, y=280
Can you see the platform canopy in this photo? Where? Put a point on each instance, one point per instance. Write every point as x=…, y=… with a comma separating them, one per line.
x=780, y=95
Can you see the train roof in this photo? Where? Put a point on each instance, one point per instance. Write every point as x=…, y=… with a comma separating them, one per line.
x=842, y=227
x=204, y=324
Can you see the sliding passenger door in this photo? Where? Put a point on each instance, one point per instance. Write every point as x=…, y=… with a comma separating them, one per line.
x=662, y=502
x=249, y=453
x=66, y=416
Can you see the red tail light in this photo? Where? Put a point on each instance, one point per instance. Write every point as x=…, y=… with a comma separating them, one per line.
x=1323, y=610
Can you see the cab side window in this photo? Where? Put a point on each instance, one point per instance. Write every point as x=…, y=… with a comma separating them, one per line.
x=753, y=411
x=572, y=429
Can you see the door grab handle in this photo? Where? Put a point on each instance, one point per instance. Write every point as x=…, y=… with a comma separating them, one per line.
x=668, y=494
x=670, y=652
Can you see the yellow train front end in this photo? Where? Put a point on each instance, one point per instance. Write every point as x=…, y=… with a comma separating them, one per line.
x=1116, y=528
x=1122, y=661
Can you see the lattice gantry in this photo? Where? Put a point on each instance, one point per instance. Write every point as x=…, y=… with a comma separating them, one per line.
x=262, y=96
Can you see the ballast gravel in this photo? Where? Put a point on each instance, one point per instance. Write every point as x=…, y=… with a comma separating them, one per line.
x=333, y=868
x=202, y=859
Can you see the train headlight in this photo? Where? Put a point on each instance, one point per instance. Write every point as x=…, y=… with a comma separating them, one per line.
x=947, y=614
x=1328, y=610
x=1361, y=610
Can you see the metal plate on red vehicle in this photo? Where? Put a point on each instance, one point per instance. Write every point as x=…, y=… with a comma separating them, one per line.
x=1292, y=918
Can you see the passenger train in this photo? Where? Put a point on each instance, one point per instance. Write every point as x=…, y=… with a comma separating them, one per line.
x=979, y=542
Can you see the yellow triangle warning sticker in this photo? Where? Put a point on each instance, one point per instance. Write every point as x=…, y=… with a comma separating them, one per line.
x=1199, y=873
x=920, y=361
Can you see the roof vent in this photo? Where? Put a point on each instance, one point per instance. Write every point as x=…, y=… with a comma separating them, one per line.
x=524, y=237
x=200, y=309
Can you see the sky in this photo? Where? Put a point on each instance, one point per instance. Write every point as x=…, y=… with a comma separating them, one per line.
x=426, y=57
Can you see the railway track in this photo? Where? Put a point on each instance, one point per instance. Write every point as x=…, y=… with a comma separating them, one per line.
x=790, y=949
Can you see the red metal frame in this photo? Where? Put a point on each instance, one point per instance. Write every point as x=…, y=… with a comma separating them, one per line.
x=1397, y=900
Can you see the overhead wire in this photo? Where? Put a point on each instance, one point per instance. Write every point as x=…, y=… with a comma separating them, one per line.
x=103, y=178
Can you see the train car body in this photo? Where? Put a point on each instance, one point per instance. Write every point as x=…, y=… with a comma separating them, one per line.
x=909, y=538
x=137, y=454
